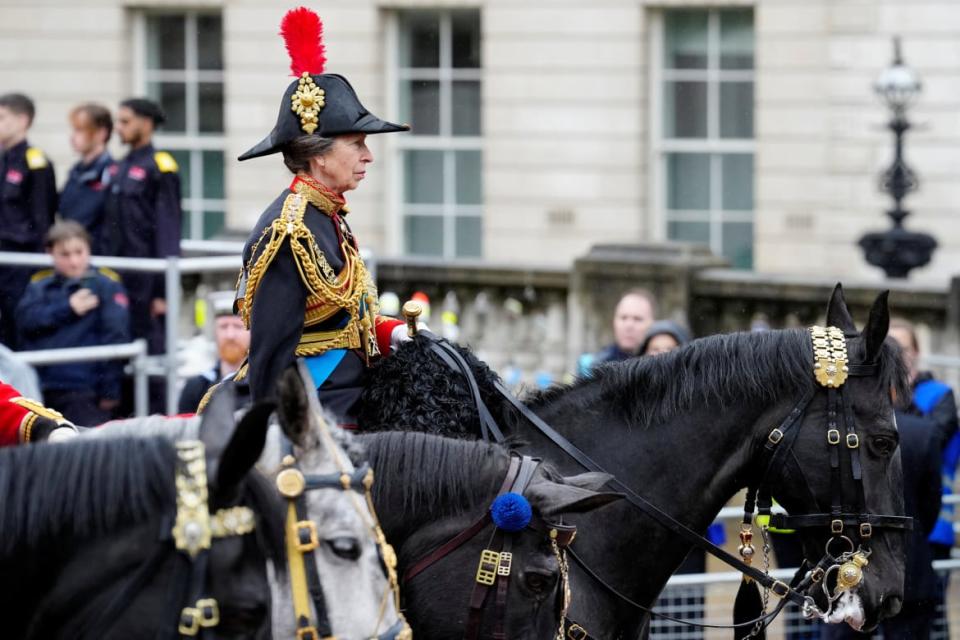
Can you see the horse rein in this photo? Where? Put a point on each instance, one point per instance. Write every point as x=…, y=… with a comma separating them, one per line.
x=193, y=532
x=830, y=370
x=302, y=539
x=496, y=561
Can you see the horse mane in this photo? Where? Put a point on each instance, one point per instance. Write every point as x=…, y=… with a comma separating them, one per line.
x=717, y=371
x=82, y=489
x=432, y=476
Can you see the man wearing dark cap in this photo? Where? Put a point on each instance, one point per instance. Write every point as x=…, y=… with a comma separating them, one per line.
x=28, y=202
x=304, y=290
x=143, y=215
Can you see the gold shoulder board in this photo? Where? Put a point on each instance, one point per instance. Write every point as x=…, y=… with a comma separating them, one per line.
x=110, y=273
x=41, y=275
x=165, y=162
x=36, y=158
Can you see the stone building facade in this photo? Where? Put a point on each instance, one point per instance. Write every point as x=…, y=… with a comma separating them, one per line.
x=542, y=127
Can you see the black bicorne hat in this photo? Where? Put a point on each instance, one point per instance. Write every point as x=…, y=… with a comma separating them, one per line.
x=316, y=103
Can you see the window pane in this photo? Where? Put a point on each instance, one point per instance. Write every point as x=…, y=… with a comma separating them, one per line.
x=166, y=42
x=736, y=39
x=213, y=223
x=688, y=181
x=737, y=181
x=466, y=39
x=737, y=242
x=466, y=108
x=469, y=177
x=211, y=107
x=424, y=176
x=210, y=42
x=686, y=40
x=424, y=235
x=213, y=175
x=182, y=156
x=420, y=106
x=685, y=109
x=419, y=39
x=173, y=100
x=689, y=231
x=469, y=236
x=736, y=109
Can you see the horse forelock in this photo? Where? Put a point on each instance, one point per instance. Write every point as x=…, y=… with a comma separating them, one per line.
x=431, y=476
x=83, y=488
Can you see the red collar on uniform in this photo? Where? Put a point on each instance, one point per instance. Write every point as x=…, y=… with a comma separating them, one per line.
x=319, y=195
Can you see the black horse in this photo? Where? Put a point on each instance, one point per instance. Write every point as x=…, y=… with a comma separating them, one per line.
x=86, y=542
x=686, y=431
x=428, y=490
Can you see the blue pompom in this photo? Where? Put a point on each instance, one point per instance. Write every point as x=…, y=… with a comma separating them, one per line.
x=511, y=512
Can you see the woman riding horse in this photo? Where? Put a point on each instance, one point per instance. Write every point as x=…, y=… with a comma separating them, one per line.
x=304, y=289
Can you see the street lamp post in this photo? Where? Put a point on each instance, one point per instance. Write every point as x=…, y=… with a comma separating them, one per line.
x=897, y=250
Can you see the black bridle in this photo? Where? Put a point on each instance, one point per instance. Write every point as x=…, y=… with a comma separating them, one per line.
x=830, y=373
x=496, y=560
x=193, y=531
x=301, y=541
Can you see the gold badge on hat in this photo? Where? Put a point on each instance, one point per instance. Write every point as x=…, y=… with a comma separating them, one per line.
x=306, y=102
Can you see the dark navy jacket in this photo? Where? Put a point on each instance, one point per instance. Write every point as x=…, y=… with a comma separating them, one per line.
x=28, y=198
x=143, y=214
x=46, y=321
x=84, y=196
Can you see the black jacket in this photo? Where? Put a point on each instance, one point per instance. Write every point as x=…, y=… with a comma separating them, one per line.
x=84, y=196
x=28, y=198
x=920, y=456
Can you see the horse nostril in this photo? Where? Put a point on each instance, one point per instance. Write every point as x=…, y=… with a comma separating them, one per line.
x=344, y=547
x=891, y=606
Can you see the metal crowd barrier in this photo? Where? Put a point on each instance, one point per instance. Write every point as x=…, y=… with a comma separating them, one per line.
x=173, y=269
x=135, y=352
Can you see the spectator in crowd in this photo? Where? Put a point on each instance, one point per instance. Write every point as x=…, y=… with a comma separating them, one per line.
x=143, y=215
x=28, y=202
x=663, y=336
x=634, y=313
x=934, y=401
x=75, y=305
x=233, y=342
x=84, y=195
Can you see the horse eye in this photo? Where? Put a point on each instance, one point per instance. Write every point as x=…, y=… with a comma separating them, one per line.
x=538, y=582
x=883, y=445
x=344, y=547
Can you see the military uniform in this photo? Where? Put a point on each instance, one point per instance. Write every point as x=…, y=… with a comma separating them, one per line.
x=23, y=420
x=304, y=290
x=28, y=202
x=47, y=321
x=143, y=219
x=84, y=197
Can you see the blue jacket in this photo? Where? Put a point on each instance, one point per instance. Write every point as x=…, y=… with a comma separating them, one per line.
x=933, y=399
x=46, y=321
x=84, y=196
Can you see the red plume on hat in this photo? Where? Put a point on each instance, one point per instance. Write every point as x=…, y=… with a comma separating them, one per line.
x=302, y=32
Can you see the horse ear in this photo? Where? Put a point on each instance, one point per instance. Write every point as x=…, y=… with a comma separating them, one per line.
x=244, y=448
x=837, y=313
x=294, y=404
x=878, y=324
x=551, y=498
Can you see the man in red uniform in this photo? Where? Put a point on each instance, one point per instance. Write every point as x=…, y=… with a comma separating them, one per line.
x=23, y=420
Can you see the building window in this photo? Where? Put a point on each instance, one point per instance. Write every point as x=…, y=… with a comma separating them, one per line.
x=183, y=71
x=706, y=145
x=439, y=93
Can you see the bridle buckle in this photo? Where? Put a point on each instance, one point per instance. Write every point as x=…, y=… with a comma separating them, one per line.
x=307, y=539
x=866, y=529
x=576, y=632
x=775, y=436
x=817, y=575
x=488, y=566
x=853, y=441
x=780, y=588
x=189, y=624
x=209, y=612
x=833, y=436
x=836, y=527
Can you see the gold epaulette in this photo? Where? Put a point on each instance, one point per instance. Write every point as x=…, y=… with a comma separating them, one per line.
x=165, y=162
x=36, y=159
x=110, y=273
x=41, y=275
